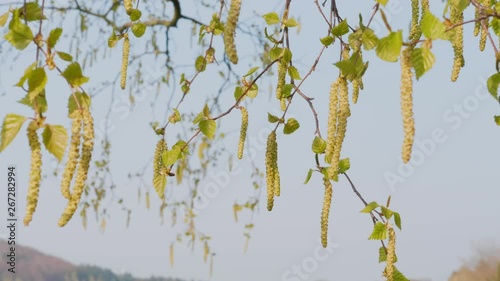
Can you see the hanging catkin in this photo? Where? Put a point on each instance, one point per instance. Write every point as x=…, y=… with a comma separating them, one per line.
x=391, y=254
x=456, y=16
x=282, y=69
x=73, y=155
x=414, y=29
x=161, y=146
x=35, y=171
x=230, y=29
x=125, y=55
x=407, y=104
x=332, y=120
x=344, y=113
x=243, y=131
x=83, y=167
x=327, y=201
x=272, y=179
x=484, y=24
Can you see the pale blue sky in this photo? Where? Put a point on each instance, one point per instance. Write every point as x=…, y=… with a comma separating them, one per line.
x=447, y=202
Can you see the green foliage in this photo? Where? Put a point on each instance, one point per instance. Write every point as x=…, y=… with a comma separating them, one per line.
x=389, y=47
x=55, y=139
x=11, y=125
x=74, y=76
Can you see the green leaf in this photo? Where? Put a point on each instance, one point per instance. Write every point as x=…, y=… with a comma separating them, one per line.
x=387, y=212
x=397, y=275
x=492, y=85
x=318, y=145
x=27, y=73
x=432, y=27
x=135, y=14
x=19, y=35
x=291, y=126
x=33, y=12
x=36, y=82
x=159, y=183
x=238, y=92
x=340, y=29
x=286, y=91
x=271, y=18
x=55, y=139
x=206, y=111
x=495, y=25
x=369, y=39
x=287, y=55
x=138, y=29
x=397, y=220
x=327, y=41
x=308, y=177
x=379, y=232
x=382, y=2
x=370, y=207
x=382, y=255
x=41, y=102
x=389, y=48
x=74, y=76
x=175, y=117
x=11, y=125
x=112, y=40
x=83, y=100
x=169, y=157
x=294, y=73
x=54, y=36
x=64, y=56
x=422, y=60
x=344, y=165
x=253, y=91
x=291, y=22
x=208, y=128
x=353, y=66
x=4, y=18
x=271, y=118
x=200, y=64
x=251, y=71
x=275, y=53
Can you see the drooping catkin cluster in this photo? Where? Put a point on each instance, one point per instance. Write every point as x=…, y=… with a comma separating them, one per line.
x=391, y=254
x=456, y=16
x=484, y=24
x=128, y=5
x=325, y=213
x=282, y=69
x=333, y=108
x=83, y=167
x=243, y=131
x=125, y=55
x=343, y=113
x=414, y=29
x=230, y=29
x=73, y=155
x=272, y=172
x=407, y=104
x=35, y=171
x=161, y=146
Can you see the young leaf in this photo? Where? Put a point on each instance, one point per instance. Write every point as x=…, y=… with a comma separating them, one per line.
x=397, y=220
x=340, y=29
x=112, y=40
x=83, y=101
x=10, y=127
x=208, y=128
x=389, y=48
x=55, y=139
x=251, y=71
x=294, y=73
x=387, y=212
x=327, y=40
x=26, y=74
x=382, y=255
x=159, y=183
x=169, y=157
x=138, y=29
x=382, y=2
x=370, y=207
x=36, y=82
x=492, y=85
x=271, y=18
x=291, y=126
x=4, y=18
x=432, y=27
x=379, y=232
x=31, y=12
x=135, y=14
x=200, y=64
x=308, y=177
x=64, y=56
x=318, y=145
x=74, y=76
x=40, y=101
x=369, y=39
x=19, y=35
x=271, y=118
x=54, y=36
x=422, y=60
x=344, y=165
x=291, y=22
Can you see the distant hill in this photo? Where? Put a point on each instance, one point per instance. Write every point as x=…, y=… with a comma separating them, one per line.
x=32, y=265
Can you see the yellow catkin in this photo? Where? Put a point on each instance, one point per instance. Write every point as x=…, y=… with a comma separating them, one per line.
x=206, y=252
x=171, y=254
x=477, y=24
x=391, y=254
x=344, y=113
x=128, y=5
x=243, y=131
x=73, y=155
x=83, y=167
x=282, y=69
x=484, y=35
x=270, y=170
x=147, y=200
x=458, y=40
x=407, y=104
x=414, y=29
x=277, y=184
x=332, y=120
x=125, y=55
x=230, y=29
x=325, y=213
x=161, y=146
x=35, y=171
x=357, y=85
